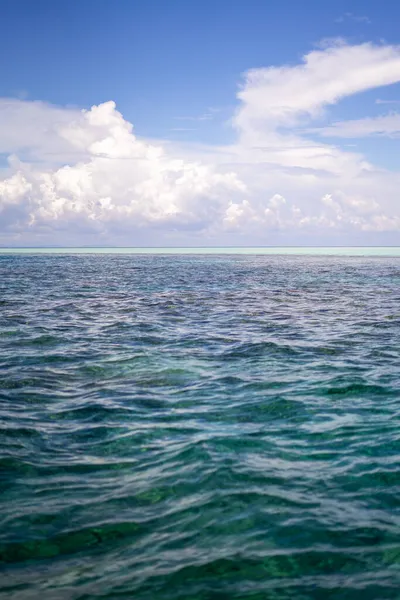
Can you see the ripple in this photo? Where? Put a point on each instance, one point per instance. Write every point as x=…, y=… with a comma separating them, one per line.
x=212, y=427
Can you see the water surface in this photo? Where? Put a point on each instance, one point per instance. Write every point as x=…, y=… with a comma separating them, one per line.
x=199, y=427
x=231, y=250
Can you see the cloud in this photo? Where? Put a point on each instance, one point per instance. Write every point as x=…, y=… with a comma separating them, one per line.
x=275, y=101
x=32, y=129
x=182, y=129
x=384, y=125
x=284, y=96
x=352, y=17
x=379, y=101
x=204, y=117
x=75, y=175
x=122, y=182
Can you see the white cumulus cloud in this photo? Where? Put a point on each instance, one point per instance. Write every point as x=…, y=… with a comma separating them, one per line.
x=120, y=181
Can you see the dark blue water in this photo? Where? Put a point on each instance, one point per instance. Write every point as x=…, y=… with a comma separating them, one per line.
x=181, y=428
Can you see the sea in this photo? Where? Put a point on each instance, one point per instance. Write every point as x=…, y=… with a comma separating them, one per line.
x=200, y=424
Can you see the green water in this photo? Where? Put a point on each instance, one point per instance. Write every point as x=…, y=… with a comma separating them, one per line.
x=284, y=250
x=199, y=427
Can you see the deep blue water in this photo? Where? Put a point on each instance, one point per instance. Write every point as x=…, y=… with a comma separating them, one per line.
x=199, y=427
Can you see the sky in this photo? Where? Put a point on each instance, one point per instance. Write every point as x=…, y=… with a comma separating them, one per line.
x=212, y=123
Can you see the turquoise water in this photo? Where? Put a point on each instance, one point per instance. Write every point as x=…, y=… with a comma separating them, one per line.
x=271, y=250
x=199, y=427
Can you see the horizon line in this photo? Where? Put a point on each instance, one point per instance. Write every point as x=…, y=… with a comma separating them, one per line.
x=188, y=247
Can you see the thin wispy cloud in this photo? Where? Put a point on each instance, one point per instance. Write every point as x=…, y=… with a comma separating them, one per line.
x=182, y=129
x=379, y=101
x=204, y=117
x=381, y=126
x=348, y=16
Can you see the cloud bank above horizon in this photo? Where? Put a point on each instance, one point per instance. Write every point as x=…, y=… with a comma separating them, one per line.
x=78, y=177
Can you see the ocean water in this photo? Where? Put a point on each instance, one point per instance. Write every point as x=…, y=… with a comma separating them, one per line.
x=230, y=250
x=199, y=427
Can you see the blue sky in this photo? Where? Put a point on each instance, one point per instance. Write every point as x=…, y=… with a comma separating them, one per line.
x=175, y=70
x=159, y=60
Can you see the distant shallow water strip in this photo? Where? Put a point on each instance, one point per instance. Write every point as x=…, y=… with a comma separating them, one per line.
x=391, y=251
